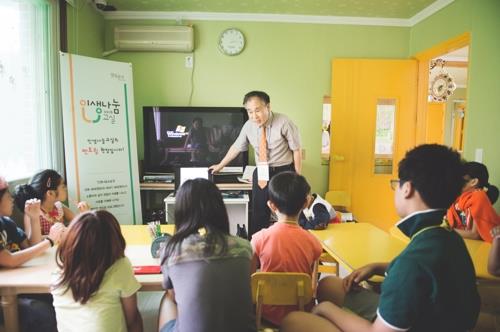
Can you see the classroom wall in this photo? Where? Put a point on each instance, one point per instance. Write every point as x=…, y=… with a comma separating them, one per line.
x=289, y=61
x=482, y=19
x=85, y=29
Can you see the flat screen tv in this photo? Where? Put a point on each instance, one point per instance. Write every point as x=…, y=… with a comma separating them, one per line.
x=190, y=136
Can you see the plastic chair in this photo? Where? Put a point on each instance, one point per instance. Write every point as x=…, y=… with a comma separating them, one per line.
x=280, y=288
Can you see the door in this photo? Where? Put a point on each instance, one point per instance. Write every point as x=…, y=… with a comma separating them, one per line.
x=373, y=125
x=435, y=123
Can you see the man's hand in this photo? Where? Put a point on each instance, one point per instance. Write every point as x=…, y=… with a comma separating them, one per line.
x=32, y=209
x=216, y=168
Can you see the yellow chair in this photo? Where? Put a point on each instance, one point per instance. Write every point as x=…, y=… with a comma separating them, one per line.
x=490, y=306
x=280, y=288
x=328, y=268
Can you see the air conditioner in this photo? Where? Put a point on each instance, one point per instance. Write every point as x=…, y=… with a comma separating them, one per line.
x=154, y=38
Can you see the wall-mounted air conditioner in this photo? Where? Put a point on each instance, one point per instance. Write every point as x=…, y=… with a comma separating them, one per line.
x=154, y=38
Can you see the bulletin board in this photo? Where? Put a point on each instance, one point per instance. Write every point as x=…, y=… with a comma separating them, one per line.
x=99, y=135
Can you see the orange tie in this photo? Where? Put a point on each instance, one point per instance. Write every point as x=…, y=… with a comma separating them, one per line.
x=263, y=153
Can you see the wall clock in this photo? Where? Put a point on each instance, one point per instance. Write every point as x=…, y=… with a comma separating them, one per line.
x=442, y=87
x=231, y=41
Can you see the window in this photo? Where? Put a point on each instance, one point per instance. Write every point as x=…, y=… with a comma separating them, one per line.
x=30, y=117
x=384, y=136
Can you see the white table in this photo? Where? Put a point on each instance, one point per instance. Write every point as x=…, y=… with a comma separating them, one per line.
x=34, y=277
x=237, y=211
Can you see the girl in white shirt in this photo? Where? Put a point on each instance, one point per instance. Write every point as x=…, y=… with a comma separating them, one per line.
x=95, y=288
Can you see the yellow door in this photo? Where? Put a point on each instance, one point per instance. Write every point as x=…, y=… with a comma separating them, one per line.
x=373, y=125
x=435, y=123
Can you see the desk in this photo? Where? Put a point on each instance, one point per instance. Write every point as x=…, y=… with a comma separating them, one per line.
x=237, y=211
x=34, y=276
x=356, y=244
x=478, y=251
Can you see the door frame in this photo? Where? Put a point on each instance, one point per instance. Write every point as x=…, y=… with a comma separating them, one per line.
x=424, y=59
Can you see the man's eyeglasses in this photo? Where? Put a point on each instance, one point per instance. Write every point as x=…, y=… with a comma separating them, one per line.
x=394, y=183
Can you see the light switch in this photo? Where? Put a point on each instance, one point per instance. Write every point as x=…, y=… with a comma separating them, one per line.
x=479, y=155
x=188, y=61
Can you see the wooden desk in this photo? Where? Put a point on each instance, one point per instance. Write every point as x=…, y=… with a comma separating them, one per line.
x=356, y=244
x=34, y=276
x=478, y=251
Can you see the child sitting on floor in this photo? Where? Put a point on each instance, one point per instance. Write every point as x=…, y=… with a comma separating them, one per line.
x=48, y=187
x=318, y=213
x=472, y=214
x=285, y=246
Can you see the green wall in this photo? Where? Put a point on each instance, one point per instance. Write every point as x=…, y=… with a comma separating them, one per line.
x=289, y=61
x=85, y=29
x=482, y=20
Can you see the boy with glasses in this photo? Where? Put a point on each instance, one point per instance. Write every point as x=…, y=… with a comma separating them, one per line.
x=431, y=285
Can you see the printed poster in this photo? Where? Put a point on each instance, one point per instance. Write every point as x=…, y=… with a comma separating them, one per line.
x=99, y=136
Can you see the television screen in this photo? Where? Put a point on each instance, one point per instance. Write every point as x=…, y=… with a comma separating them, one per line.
x=190, y=136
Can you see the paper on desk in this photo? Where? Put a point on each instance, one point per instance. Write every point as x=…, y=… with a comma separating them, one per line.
x=247, y=174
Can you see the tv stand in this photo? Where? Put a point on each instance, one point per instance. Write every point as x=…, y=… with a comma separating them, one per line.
x=153, y=195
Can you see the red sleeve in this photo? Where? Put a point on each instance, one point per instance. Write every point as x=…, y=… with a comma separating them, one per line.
x=483, y=214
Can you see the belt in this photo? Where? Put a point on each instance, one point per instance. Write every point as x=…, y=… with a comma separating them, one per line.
x=275, y=169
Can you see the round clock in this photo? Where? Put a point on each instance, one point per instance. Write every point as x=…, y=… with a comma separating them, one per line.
x=442, y=87
x=231, y=41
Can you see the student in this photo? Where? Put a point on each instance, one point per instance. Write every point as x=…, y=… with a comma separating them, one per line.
x=49, y=187
x=285, y=246
x=431, y=285
x=36, y=311
x=94, y=288
x=206, y=271
x=494, y=257
x=317, y=214
x=472, y=214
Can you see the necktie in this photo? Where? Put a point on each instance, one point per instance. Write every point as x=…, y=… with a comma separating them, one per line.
x=263, y=153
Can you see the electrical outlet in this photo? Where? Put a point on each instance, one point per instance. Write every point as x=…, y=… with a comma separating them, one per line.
x=188, y=61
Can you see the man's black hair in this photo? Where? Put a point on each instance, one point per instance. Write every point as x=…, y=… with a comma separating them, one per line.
x=435, y=171
x=288, y=191
x=258, y=94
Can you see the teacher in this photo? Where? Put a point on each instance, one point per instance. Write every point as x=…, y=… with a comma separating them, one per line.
x=276, y=142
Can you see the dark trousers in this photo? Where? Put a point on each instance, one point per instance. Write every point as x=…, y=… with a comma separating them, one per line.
x=261, y=214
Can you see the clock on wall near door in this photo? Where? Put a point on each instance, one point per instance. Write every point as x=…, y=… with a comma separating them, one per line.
x=231, y=41
x=442, y=87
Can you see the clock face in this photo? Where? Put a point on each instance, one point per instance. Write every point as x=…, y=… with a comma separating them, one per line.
x=231, y=41
x=442, y=87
